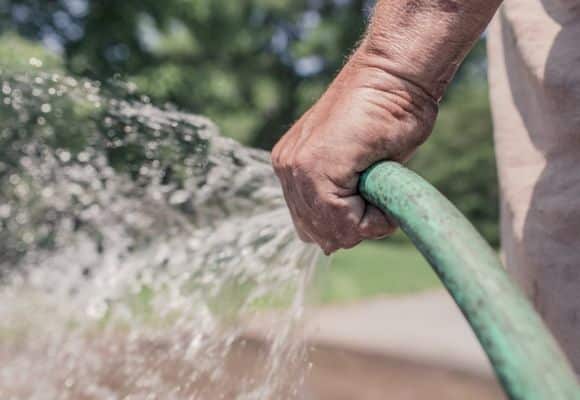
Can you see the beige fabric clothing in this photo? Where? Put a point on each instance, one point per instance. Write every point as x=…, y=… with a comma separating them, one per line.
x=534, y=56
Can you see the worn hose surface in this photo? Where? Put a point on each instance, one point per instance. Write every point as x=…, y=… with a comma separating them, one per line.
x=524, y=355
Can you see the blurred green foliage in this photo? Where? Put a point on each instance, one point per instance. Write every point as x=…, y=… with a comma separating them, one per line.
x=21, y=55
x=253, y=66
x=374, y=268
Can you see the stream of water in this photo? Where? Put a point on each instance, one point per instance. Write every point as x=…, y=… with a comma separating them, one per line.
x=134, y=242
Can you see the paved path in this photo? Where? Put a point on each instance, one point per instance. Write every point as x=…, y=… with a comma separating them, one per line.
x=426, y=328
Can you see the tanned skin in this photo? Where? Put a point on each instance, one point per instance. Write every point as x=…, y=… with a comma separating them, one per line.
x=381, y=106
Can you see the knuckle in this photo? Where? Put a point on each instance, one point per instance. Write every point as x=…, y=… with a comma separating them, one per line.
x=275, y=159
x=337, y=209
x=276, y=150
x=279, y=158
x=303, y=161
x=277, y=168
x=282, y=168
x=334, y=205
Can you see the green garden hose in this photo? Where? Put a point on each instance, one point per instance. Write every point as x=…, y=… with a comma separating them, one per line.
x=524, y=355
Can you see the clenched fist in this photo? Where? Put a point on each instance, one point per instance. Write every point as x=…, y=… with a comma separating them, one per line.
x=367, y=114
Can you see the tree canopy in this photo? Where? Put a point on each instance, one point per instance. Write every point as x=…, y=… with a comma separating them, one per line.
x=253, y=66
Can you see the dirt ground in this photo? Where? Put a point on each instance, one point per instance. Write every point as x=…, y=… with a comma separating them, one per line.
x=331, y=374
x=344, y=375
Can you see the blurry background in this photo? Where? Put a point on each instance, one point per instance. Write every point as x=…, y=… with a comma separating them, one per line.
x=254, y=66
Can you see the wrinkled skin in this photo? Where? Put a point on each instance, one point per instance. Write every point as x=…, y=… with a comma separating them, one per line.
x=366, y=115
x=382, y=105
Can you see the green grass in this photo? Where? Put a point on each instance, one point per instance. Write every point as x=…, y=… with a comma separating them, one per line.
x=388, y=267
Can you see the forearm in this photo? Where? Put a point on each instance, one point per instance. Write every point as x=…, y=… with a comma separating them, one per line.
x=424, y=41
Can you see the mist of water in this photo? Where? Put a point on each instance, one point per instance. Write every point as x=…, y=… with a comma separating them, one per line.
x=133, y=242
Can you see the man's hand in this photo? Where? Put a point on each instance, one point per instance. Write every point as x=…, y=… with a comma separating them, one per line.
x=365, y=116
x=381, y=106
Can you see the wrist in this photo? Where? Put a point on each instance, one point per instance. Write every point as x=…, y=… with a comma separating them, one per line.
x=372, y=71
x=424, y=42
x=397, y=115
x=431, y=77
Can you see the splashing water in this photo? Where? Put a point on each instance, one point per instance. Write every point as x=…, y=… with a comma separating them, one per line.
x=133, y=241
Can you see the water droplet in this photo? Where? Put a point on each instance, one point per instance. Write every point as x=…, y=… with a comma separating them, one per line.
x=5, y=210
x=97, y=309
x=179, y=197
x=83, y=156
x=14, y=179
x=64, y=156
x=35, y=62
x=188, y=226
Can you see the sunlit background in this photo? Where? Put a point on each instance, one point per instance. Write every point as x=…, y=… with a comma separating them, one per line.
x=252, y=67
